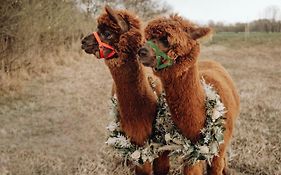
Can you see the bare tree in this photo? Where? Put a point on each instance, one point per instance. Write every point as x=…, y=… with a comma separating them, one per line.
x=272, y=13
x=145, y=9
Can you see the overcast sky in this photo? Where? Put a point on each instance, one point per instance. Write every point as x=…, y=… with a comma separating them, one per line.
x=229, y=11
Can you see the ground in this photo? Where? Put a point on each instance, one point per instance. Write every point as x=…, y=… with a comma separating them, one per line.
x=56, y=125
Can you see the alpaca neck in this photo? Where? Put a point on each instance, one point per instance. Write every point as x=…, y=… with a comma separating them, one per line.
x=186, y=99
x=136, y=99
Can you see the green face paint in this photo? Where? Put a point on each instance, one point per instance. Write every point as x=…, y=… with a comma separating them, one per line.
x=167, y=61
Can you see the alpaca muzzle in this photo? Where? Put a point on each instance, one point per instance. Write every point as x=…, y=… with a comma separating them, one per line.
x=102, y=46
x=162, y=59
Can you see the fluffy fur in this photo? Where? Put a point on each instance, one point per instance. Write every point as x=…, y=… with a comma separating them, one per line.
x=181, y=81
x=136, y=99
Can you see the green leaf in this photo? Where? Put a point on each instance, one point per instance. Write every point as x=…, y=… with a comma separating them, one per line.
x=160, y=54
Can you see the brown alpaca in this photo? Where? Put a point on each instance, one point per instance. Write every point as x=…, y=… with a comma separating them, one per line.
x=136, y=99
x=181, y=81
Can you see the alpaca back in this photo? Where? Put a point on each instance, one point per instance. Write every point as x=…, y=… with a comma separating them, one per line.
x=219, y=78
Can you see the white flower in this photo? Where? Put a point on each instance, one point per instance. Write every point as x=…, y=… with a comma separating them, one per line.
x=150, y=158
x=216, y=114
x=168, y=137
x=118, y=140
x=160, y=121
x=214, y=148
x=111, y=141
x=144, y=158
x=136, y=155
x=145, y=150
x=211, y=95
x=123, y=141
x=219, y=106
x=178, y=141
x=112, y=126
x=204, y=149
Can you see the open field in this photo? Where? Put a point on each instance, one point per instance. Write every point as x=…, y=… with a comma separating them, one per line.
x=56, y=125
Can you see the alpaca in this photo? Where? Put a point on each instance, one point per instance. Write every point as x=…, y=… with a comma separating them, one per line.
x=180, y=77
x=137, y=103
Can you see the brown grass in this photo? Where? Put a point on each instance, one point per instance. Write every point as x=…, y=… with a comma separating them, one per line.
x=57, y=124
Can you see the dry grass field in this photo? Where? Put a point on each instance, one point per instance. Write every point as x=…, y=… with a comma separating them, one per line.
x=56, y=125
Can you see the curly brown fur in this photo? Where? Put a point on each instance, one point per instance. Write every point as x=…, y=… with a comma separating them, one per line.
x=136, y=99
x=181, y=81
x=125, y=47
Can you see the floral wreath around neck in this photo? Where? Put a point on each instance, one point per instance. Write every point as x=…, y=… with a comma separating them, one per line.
x=166, y=137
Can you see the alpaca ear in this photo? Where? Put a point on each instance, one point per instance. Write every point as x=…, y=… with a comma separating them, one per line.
x=200, y=32
x=117, y=19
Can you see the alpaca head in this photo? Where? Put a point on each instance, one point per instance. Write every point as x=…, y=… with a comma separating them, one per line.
x=171, y=43
x=114, y=26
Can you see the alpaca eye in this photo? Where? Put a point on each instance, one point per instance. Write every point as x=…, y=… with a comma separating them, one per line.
x=165, y=41
x=107, y=34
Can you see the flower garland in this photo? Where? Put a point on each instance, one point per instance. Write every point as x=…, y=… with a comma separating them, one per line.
x=166, y=137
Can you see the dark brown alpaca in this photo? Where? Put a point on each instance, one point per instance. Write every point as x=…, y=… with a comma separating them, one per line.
x=185, y=95
x=136, y=99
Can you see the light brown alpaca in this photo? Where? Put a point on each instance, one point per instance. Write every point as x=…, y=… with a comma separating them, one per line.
x=185, y=95
x=136, y=99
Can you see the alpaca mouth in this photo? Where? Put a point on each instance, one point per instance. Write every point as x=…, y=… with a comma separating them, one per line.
x=147, y=64
x=97, y=54
x=147, y=61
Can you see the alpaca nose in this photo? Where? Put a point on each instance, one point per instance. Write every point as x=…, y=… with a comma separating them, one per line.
x=143, y=52
x=89, y=40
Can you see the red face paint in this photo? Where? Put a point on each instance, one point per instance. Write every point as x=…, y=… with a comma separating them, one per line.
x=102, y=46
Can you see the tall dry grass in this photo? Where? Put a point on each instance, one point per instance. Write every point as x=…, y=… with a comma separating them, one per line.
x=33, y=33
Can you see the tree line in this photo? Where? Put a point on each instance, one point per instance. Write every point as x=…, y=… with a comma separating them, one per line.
x=269, y=21
x=260, y=25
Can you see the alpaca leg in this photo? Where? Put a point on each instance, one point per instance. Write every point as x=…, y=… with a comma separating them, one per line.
x=145, y=169
x=196, y=169
x=226, y=169
x=220, y=165
x=161, y=165
x=217, y=166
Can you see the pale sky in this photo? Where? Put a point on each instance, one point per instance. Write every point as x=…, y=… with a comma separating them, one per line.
x=229, y=11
